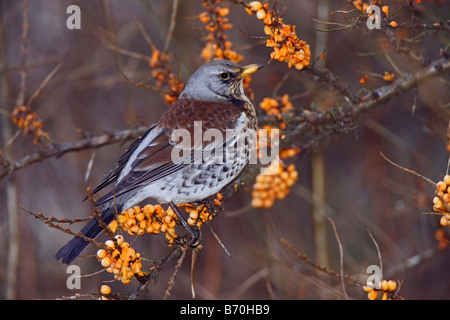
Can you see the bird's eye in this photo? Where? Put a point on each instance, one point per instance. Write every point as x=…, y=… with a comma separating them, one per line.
x=224, y=76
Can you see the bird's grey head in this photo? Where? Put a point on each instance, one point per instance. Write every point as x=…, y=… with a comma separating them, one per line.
x=218, y=80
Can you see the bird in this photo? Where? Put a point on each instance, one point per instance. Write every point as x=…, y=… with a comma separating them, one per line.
x=212, y=97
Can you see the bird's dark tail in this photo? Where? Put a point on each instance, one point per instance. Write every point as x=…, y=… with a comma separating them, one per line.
x=74, y=247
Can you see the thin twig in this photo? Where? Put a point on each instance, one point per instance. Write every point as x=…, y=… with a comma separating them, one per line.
x=175, y=272
x=145, y=35
x=145, y=280
x=36, y=92
x=408, y=170
x=173, y=22
x=193, y=263
x=218, y=240
x=378, y=252
x=341, y=258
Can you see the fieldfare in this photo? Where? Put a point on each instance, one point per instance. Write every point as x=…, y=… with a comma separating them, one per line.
x=213, y=101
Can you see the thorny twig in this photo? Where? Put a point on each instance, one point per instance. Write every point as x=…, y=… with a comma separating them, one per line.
x=317, y=267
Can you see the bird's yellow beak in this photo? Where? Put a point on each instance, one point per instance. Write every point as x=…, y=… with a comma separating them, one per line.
x=249, y=70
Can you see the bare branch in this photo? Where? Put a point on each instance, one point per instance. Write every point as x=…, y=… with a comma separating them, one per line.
x=59, y=149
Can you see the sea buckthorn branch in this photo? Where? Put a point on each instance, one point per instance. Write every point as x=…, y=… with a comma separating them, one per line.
x=217, y=45
x=389, y=289
x=153, y=273
x=53, y=222
x=9, y=166
x=347, y=113
x=164, y=80
x=28, y=121
x=287, y=46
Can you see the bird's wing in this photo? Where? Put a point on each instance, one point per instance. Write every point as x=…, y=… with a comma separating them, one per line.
x=113, y=175
x=143, y=164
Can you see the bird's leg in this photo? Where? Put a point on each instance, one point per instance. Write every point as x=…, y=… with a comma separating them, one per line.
x=195, y=234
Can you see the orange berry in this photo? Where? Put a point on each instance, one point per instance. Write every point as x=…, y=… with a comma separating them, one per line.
x=119, y=239
x=363, y=78
x=110, y=244
x=447, y=179
x=131, y=213
x=393, y=24
x=384, y=285
x=367, y=289
x=149, y=210
x=446, y=197
x=437, y=202
x=260, y=14
x=156, y=226
x=113, y=226
x=257, y=203
x=140, y=216
x=441, y=186
x=444, y=221
x=255, y=5
x=223, y=11
x=143, y=224
x=204, y=17
x=388, y=76
x=392, y=285
x=372, y=295
x=106, y=262
x=101, y=253
x=134, y=229
x=131, y=222
x=158, y=209
x=122, y=218
x=191, y=221
x=385, y=9
x=104, y=289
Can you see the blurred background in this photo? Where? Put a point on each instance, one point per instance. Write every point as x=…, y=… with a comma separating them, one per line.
x=362, y=190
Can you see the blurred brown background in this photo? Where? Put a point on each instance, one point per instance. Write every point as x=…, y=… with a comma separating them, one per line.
x=362, y=189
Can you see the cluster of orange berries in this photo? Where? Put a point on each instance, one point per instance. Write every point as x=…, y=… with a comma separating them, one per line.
x=287, y=47
x=149, y=219
x=274, y=182
x=386, y=288
x=441, y=202
x=201, y=214
x=216, y=23
x=154, y=219
x=29, y=123
x=120, y=259
x=164, y=77
x=364, y=6
x=276, y=106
